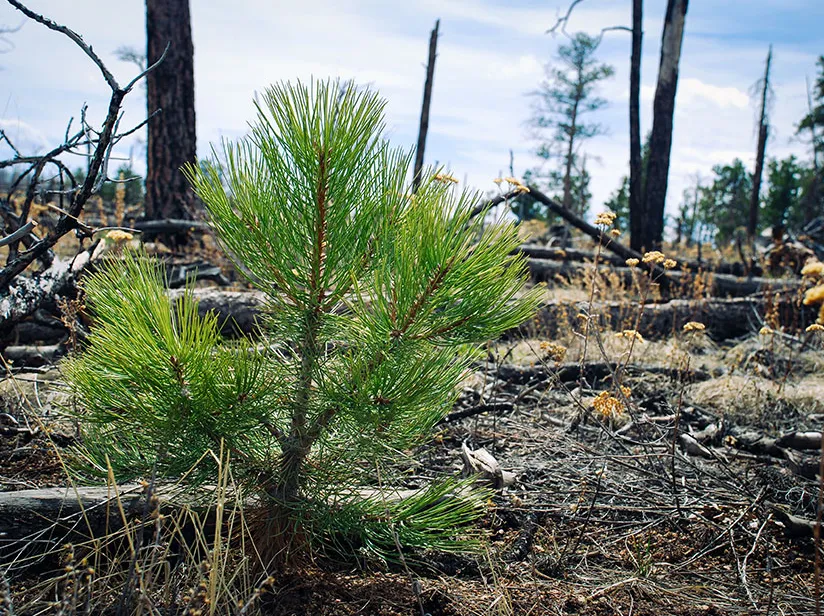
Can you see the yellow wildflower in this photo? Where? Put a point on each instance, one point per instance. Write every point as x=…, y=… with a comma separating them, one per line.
x=670, y=263
x=654, y=256
x=766, y=331
x=605, y=219
x=444, y=178
x=694, y=326
x=631, y=334
x=118, y=236
x=607, y=405
x=498, y=181
x=615, y=232
x=626, y=391
x=815, y=327
x=555, y=351
x=814, y=295
x=632, y=262
x=813, y=269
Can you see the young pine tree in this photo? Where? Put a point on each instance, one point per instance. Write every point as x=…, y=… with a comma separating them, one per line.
x=376, y=300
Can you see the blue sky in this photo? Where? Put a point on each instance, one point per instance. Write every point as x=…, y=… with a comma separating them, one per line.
x=491, y=55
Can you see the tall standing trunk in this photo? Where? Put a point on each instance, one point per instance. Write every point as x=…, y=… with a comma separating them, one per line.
x=694, y=216
x=812, y=195
x=655, y=190
x=636, y=201
x=763, y=129
x=567, y=199
x=427, y=99
x=170, y=89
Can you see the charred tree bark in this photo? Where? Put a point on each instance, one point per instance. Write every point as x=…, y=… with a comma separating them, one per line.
x=427, y=99
x=636, y=196
x=170, y=88
x=655, y=191
x=763, y=129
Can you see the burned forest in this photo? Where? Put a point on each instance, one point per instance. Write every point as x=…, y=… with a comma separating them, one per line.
x=281, y=337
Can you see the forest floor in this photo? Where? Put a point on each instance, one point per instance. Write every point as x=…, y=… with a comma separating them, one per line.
x=681, y=502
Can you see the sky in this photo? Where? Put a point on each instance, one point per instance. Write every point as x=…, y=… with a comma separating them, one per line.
x=491, y=56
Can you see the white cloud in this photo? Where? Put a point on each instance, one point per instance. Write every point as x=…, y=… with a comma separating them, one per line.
x=490, y=55
x=26, y=138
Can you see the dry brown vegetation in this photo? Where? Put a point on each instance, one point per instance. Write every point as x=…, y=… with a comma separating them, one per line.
x=656, y=472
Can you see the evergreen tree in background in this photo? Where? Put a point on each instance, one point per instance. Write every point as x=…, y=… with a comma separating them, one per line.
x=562, y=102
x=725, y=202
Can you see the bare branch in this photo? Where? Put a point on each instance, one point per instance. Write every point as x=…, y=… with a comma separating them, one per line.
x=561, y=24
x=74, y=36
x=19, y=234
x=162, y=57
x=100, y=144
x=563, y=21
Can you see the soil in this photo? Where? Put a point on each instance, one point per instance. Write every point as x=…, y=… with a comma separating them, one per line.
x=595, y=523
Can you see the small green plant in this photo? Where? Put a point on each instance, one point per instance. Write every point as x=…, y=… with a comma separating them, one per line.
x=376, y=301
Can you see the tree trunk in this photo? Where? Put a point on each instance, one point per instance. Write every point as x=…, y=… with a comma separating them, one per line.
x=655, y=192
x=694, y=217
x=636, y=197
x=567, y=200
x=763, y=129
x=809, y=208
x=427, y=99
x=171, y=89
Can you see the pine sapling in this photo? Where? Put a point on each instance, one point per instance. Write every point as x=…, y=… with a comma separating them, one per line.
x=376, y=301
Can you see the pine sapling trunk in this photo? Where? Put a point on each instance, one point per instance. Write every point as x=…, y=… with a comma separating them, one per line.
x=301, y=437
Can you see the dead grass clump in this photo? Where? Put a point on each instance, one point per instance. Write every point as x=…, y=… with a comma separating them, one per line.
x=753, y=400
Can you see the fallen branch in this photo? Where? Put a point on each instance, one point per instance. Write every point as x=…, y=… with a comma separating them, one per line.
x=717, y=285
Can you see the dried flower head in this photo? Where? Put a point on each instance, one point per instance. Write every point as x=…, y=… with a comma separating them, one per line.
x=615, y=232
x=694, y=326
x=670, y=263
x=631, y=334
x=445, y=178
x=654, y=256
x=498, y=181
x=815, y=327
x=813, y=269
x=516, y=184
x=605, y=219
x=626, y=391
x=119, y=236
x=814, y=296
x=553, y=350
x=632, y=262
x=607, y=405
x=766, y=331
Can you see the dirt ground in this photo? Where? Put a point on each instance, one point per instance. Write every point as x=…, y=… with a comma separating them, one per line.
x=675, y=502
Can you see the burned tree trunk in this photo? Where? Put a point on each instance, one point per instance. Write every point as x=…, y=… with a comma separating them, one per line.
x=427, y=99
x=636, y=202
x=763, y=129
x=170, y=88
x=655, y=191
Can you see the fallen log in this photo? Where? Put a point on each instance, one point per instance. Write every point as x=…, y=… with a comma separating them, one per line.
x=717, y=285
x=723, y=318
x=240, y=313
x=26, y=294
x=535, y=251
x=606, y=240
